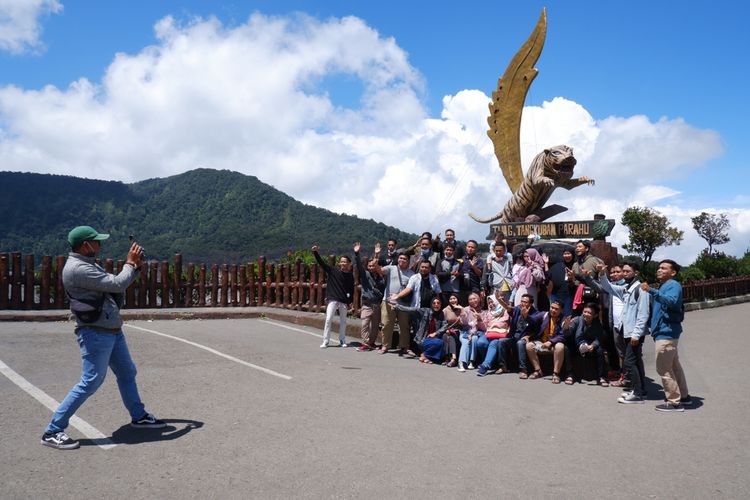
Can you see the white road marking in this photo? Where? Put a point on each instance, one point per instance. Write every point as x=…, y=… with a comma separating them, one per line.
x=213, y=351
x=282, y=325
x=86, y=429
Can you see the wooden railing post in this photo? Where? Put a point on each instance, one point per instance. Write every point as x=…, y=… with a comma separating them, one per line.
x=60, y=299
x=214, y=285
x=189, y=285
x=262, y=298
x=4, y=280
x=224, y=285
x=251, y=279
x=177, y=281
x=44, y=292
x=28, y=286
x=243, y=285
x=202, y=286
x=233, y=301
x=15, y=281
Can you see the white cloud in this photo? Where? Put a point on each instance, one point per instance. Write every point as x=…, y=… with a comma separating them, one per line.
x=20, y=23
x=257, y=98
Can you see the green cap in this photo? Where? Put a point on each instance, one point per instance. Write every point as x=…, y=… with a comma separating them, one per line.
x=84, y=233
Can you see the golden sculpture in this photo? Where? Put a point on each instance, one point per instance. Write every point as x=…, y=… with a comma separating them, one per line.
x=552, y=168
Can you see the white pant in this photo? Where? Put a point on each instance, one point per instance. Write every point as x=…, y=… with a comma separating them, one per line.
x=330, y=311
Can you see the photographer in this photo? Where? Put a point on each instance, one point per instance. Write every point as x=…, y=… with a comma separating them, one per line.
x=95, y=298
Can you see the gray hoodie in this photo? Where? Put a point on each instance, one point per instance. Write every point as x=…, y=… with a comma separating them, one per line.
x=84, y=279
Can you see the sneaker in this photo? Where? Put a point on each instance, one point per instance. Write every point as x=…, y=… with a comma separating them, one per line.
x=324, y=345
x=669, y=407
x=148, y=421
x=630, y=399
x=59, y=440
x=461, y=367
x=471, y=366
x=686, y=401
x=481, y=371
x=343, y=344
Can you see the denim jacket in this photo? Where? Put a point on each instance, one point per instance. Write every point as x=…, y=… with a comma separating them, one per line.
x=635, y=308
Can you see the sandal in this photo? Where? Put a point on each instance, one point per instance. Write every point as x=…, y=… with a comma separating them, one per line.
x=555, y=378
x=603, y=382
x=382, y=350
x=523, y=375
x=569, y=380
x=453, y=362
x=537, y=374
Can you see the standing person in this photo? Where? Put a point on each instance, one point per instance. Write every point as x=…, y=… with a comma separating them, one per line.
x=471, y=273
x=448, y=274
x=450, y=238
x=631, y=321
x=425, y=252
x=339, y=294
x=557, y=273
x=95, y=299
x=584, y=261
x=666, y=327
x=531, y=277
x=372, y=296
x=390, y=255
x=396, y=277
x=497, y=277
x=421, y=288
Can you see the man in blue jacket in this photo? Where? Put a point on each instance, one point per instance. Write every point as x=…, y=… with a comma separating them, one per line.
x=666, y=327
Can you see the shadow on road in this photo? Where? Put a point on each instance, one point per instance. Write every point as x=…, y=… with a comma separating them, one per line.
x=126, y=434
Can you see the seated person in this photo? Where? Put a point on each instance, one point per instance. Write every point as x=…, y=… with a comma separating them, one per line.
x=588, y=332
x=525, y=322
x=551, y=340
x=472, y=328
x=497, y=320
x=433, y=346
x=452, y=313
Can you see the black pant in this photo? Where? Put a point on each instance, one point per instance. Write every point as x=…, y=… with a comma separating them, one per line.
x=633, y=365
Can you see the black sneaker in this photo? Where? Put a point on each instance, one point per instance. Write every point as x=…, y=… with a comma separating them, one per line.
x=686, y=401
x=669, y=407
x=481, y=371
x=59, y=440
x=148, y=421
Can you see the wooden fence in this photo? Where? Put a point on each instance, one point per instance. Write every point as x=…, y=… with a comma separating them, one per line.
x=289, y=286
x=161, y=285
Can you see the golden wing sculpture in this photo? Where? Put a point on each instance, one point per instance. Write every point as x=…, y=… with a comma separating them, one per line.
x=507, y=103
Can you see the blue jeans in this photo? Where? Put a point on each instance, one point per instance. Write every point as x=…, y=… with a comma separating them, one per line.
x=522, y=359
x=99, y=350
x=494, y=349
x=468, y=349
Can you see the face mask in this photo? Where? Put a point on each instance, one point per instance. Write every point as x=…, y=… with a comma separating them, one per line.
x=425, y=252
x=621, y=281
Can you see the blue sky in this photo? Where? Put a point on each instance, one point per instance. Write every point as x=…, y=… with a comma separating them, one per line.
x=363, y=107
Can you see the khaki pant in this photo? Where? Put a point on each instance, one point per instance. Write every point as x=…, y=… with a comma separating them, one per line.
x=370, y=317
x=389, y=316
x=670, y=370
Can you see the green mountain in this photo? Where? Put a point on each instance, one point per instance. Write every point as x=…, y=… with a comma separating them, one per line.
x=211, y=216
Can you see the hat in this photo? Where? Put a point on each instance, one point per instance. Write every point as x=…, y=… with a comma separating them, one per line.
x=84, y=233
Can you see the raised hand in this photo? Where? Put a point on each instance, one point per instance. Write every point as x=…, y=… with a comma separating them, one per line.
x=315, y=248
x=357, y=246
x=377, y=247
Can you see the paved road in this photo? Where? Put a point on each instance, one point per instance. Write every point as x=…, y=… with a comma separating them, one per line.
x=361, y=425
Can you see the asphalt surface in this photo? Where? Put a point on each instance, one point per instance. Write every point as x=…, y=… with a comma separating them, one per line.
x=363, y=425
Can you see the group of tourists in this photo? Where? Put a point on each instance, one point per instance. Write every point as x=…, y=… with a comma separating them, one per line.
x=505, y=312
